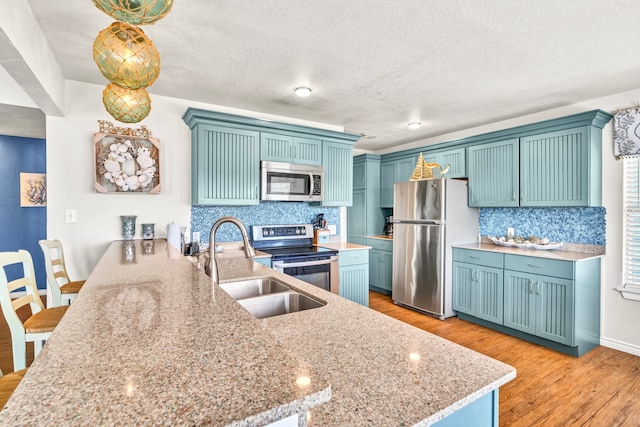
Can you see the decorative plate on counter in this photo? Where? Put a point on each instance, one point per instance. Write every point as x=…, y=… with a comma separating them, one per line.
x=526, y=244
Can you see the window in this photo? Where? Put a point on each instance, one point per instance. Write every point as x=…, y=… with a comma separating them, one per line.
x=631, y=230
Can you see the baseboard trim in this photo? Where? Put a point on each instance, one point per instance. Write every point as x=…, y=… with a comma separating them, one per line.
x=619, y=345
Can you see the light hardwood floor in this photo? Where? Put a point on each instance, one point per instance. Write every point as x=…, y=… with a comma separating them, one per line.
x=601, y=388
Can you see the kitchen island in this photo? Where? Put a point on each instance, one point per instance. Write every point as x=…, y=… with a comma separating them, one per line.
x=150, y=340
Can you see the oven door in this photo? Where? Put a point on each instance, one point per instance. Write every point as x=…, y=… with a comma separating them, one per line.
x=319, y=272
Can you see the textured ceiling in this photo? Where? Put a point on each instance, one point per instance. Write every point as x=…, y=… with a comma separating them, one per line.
x=375, y=65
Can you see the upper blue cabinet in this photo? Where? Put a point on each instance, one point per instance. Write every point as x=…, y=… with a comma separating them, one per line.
x=226, y=151
x=548, y=164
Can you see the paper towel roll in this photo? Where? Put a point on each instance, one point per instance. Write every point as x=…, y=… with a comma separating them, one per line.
x=174, y=235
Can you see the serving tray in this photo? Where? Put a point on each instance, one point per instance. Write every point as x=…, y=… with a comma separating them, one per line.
x=548, y=246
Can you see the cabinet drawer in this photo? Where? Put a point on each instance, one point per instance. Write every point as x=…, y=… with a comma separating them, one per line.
x=383, y=245
x=353, y=257
x=542, y=266
x=490, y=259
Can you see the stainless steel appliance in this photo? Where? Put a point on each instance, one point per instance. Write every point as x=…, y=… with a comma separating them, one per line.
x=291, y=182
x=293, y=254
x=429, y=216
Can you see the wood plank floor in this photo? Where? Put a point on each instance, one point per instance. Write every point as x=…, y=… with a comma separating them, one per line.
x=601, y=388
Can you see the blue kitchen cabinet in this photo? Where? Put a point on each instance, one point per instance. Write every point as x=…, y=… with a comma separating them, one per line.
x=364, y=217
x=494, y=174
x=551, y=302
x=337, y=159
x=224, y=166
x=381, y=265
x=454, y=159
x=354, y=275
x=263, y=260
x=561, y=168
x=290, y=149
x=478, y=284
x=391, y=172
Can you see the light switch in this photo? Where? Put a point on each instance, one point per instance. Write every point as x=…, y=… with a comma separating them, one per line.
x=70, y=216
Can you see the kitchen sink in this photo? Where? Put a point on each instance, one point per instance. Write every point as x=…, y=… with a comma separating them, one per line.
x=253, y=288
x=277, y=304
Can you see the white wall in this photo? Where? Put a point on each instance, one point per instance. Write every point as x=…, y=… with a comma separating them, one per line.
x=70, y=174
x=619, y=316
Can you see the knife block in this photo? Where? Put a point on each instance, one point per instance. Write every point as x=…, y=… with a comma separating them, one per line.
x=320, y=236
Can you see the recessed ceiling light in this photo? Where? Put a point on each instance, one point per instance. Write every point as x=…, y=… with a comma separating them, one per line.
x=414, y=125
x=302, y=91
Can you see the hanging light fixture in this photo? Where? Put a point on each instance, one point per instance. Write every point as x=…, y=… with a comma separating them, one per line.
x=126, y=105
x=126, y=56
x=136, y=12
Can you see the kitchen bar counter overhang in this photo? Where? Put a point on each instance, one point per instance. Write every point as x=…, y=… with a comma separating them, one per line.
x=153, y=341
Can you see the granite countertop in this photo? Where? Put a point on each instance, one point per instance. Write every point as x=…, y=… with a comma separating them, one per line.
x=382, y=237
x=343, y=246
x=153, y=341
x=550, y=254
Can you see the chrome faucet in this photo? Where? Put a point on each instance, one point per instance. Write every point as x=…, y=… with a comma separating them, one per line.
x=212, y=265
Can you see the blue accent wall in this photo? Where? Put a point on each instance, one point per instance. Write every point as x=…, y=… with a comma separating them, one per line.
x=21, y=228
x=266, y=213
x=569, y=225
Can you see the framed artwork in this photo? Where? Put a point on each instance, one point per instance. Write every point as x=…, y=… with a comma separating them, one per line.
x=126, y=163
x=33, y=189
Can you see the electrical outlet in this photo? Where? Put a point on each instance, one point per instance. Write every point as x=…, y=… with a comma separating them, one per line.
x=70, y=216
x=196, y=236
x=332, y=229
x=511, y=231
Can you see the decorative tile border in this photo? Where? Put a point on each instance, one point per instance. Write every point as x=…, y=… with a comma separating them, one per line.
x=266, y=213
x=570, y=225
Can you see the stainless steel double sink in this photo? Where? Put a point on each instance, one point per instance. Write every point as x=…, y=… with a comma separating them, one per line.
x=268, y=297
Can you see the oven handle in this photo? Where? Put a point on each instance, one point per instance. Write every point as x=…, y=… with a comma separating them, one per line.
x=282, y=264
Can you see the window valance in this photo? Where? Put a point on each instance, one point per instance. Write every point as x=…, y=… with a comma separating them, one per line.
x=626, y=133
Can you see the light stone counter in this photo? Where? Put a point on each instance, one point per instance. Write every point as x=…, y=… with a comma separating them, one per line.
x=551, y=254
x=343, y=246
x=154, y=342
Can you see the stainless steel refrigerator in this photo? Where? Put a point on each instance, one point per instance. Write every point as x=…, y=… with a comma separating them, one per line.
x=429, y=217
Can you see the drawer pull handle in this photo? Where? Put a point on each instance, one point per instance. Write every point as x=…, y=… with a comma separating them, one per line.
x=474, y=256
x=535, y=265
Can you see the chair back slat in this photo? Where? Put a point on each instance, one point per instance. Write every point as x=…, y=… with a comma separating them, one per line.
x=21, y=301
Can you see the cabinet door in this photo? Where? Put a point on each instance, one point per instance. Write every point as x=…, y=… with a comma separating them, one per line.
x=224, y=165
x=354, y=283
x=338, y=171
x=387, y=179
x=276, y=148
x=404, y=169
x=456, y=160
x=307, y=151
x=554, y=168
x=386, y=270
x=555, y=308
x=519, y=301
x=359, y=176
x=493, y=174
x=489, y=294
x=463, y=288
x=356, y=214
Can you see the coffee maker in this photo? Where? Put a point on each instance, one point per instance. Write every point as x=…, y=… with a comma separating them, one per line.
x=388, y=226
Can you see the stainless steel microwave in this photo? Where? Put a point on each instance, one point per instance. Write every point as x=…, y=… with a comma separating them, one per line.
x=291, y=182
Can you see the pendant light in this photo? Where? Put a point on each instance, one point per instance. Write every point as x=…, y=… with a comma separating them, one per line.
x=126, y=105
x=126, y=56
x=136, y=12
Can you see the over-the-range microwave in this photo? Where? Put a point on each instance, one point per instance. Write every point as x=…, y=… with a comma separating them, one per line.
x=291, y=182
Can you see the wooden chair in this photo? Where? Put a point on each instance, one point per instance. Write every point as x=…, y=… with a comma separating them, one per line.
x=63, y=290
x=38, y=327
x=8, y=384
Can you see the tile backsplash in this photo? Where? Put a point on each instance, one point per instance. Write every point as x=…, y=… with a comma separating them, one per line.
x=266, y=213
x=570, y=225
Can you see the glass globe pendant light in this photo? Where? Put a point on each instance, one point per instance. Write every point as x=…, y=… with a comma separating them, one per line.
x=126, y=105
x=126, y=56
x=137, y=12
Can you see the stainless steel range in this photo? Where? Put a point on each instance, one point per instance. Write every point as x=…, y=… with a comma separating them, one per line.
x=293, y=253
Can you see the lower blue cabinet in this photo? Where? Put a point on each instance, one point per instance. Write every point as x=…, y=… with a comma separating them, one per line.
x=354, y=275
